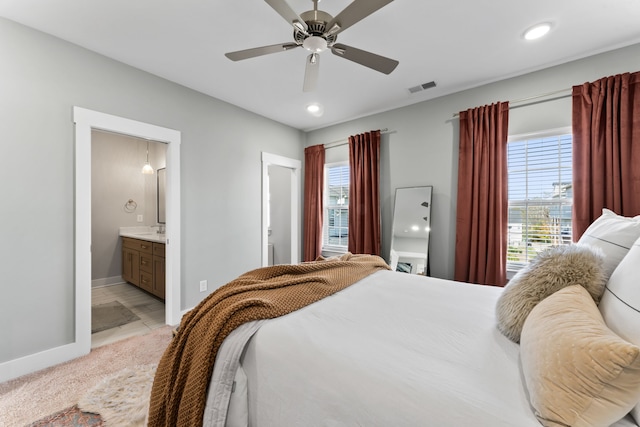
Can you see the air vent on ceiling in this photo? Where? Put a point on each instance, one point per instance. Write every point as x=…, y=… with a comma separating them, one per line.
x=421, y=87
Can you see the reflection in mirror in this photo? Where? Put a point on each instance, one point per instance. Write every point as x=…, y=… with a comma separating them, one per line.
x=410, y=231
x=162, y=181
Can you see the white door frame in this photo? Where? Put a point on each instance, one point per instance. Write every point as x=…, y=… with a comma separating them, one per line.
x=295, y=166
x=85, y=121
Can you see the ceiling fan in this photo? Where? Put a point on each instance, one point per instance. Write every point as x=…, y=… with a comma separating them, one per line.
x=318, y=31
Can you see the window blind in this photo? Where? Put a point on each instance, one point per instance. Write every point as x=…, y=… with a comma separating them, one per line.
x=540, y=196
x=336, y=212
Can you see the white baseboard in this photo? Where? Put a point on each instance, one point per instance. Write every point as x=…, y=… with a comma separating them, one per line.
x=34, y=362
x=107, y=281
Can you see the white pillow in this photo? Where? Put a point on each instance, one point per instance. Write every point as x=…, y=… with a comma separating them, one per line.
x=620, y=303
x=614, y=234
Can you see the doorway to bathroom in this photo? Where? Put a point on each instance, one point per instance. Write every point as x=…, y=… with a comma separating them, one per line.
x=87, y=122
x=127, y=199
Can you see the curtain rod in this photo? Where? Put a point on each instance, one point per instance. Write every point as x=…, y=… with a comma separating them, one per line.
x=530, y=98
x=346, y=141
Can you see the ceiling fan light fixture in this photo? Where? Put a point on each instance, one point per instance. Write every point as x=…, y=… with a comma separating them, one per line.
x=315, y=44
x=537, y=31
x=315, y=109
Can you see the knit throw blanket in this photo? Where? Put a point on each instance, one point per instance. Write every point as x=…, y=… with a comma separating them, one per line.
x=178, y=395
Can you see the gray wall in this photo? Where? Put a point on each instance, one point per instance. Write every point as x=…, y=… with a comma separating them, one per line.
x=41, y=79
x=116, y=164
x=422, y=146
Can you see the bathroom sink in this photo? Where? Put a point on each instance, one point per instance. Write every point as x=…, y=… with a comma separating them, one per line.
x=142, y=234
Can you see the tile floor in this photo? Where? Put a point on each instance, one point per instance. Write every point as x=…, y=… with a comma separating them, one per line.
x=148, y=308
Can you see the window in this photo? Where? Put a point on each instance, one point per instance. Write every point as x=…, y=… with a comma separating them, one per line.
x=540, y=195
x=336, y=207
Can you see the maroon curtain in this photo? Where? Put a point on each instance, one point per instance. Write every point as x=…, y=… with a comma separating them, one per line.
x=482, y=212
x=313, y=189
x=364, y=193
x=606, y=149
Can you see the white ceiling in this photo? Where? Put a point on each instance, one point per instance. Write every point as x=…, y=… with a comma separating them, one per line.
x=459, y=44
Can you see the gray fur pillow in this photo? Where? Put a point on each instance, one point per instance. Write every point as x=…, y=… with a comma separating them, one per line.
x=552, y=270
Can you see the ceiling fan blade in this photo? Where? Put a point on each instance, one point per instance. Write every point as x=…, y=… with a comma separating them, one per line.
x=311, y=73
x=356, y=11
x=259, y=51
x=362, y=57
x=288, y=14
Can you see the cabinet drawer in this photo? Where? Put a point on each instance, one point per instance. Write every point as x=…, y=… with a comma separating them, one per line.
x=146, y=263
x=138, y=245
x=146, y=281
x=158, y=249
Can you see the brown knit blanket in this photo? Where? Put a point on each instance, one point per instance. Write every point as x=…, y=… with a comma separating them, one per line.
x=179, y=389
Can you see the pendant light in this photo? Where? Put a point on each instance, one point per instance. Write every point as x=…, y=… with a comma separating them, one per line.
x=147, y=169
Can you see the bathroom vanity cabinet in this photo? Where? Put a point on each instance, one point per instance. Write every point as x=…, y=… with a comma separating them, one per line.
x=143, y=265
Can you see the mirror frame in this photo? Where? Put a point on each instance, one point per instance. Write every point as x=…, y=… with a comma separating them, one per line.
x=161, y=196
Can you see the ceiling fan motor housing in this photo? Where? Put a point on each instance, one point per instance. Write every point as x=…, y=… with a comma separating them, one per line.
x=316, y=21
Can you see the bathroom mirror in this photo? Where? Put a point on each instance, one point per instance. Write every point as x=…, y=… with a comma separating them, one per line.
x=162, y=200
x=410, y=231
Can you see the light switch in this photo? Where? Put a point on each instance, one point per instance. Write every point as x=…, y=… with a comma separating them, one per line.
x=139, y=218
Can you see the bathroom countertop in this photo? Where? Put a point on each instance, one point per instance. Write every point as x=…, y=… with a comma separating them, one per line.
x=149, y=234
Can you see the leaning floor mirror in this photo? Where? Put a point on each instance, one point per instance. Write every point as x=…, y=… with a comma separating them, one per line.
x=410, y=231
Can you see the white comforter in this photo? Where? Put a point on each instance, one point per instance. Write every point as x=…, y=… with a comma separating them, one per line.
x=391, y=350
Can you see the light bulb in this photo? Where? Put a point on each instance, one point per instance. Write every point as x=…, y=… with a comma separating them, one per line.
x=147, y=169
x=315, y=109
x=537, y=31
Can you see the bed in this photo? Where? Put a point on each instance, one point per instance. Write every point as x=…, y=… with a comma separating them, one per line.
x=394, y=349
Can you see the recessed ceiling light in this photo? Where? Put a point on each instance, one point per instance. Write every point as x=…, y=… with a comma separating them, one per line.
x=537, y=31
x=315, y=109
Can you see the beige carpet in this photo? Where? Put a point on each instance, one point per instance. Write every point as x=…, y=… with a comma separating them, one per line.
x=34, y=396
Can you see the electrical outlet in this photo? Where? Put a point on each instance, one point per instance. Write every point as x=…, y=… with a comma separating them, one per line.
x=139, y=218
x=203, y=285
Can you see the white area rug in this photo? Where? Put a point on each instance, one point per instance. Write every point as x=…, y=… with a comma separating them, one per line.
x=122, y=398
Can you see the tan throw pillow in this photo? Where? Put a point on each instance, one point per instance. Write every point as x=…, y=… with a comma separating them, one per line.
x=552, y=270
x=577, y=371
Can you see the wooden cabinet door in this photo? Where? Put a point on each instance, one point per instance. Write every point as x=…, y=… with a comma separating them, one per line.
x=131, y=266
x=158, y=276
